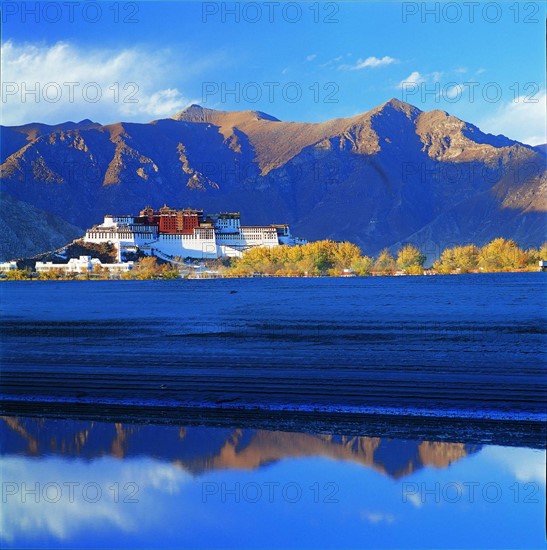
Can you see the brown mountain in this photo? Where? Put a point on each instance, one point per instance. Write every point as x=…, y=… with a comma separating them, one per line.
x=394, y=174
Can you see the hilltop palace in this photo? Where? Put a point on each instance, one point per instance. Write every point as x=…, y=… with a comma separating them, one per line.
x=168, y=233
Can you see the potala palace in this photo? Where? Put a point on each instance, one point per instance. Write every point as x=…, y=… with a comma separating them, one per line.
x=168, y=233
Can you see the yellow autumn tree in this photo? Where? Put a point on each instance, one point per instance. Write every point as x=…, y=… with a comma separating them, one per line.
x=344, y=254
x=17, y=274
x=410, y=260
x=458, y=259
x=385, y=263
x=534, y=255
x=147, y=268
x=363, y=265
x=501, y=255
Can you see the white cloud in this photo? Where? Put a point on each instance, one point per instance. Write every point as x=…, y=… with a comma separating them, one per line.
x=72, y=83
x=311, y=57
x=370, y=63
x=415, y=499
x=413, y=78
x=377, y=517
x=332, y=62
x=453, y=90
x=162, y=103
x=523, y=119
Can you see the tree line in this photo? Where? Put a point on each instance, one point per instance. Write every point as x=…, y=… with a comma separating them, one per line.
x=337, y=258
x=333, y=258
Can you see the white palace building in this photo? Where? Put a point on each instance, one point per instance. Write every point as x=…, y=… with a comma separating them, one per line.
x=169, y=233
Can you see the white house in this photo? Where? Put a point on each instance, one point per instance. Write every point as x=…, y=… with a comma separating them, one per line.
x=8, y=266
x=83, y=264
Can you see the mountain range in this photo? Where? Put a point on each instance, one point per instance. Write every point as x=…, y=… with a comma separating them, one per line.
x=392, y=175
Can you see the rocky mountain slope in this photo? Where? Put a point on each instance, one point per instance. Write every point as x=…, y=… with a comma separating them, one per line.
x=394, y=174
x=26, y=230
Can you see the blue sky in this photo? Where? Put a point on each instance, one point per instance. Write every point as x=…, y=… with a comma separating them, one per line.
x=483, y=62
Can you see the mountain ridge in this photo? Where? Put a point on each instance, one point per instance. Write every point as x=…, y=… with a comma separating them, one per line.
x=378, y=178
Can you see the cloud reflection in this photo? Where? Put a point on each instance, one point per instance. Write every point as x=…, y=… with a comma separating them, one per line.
x=526, y=465
x=50, y=497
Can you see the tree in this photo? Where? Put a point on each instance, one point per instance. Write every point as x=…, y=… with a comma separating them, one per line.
x=385, y=263
x=321, y=253
x=460, y=258
x=501, y=255
x=446, y=263
x=363, y=265
x=53, y=274
x=344, y=254
x=534, y=255
x=17, y=274
x=169, y=272
x=466, y=258
x=409, y=258
x=99, y=271
x=147, y=268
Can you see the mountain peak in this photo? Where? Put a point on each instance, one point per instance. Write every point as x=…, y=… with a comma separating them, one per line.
x=197, y=113
x=395, y=104
x=193, y=113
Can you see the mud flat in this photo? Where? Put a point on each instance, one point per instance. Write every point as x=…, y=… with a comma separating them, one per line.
x=427, y=356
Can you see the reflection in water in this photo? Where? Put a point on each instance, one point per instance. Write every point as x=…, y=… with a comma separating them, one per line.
x=200, y=449
x=69, y=483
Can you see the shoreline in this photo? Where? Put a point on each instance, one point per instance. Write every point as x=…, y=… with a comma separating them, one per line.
x=505, y=432
x=263, y=276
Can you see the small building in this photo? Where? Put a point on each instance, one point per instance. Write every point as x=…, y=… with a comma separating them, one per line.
x=543, y=265
x=83, y=264
x=8, y=266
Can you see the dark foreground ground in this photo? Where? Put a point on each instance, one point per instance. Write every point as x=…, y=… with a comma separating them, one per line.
x=428, y=357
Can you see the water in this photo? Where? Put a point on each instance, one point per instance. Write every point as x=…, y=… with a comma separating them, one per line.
x=389, y=412
x=105, y=485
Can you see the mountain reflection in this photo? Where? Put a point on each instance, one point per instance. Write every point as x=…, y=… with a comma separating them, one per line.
x=203, y=449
